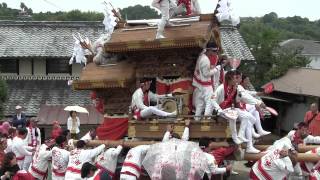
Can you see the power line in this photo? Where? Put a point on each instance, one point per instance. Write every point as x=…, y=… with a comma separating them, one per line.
x=53, y=4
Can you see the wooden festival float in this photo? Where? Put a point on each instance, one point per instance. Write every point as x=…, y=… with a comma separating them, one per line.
x=170, y=62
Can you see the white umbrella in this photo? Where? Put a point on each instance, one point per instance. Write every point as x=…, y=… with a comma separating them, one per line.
x=78, y=109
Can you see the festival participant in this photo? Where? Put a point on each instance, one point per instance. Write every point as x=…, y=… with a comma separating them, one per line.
x=39, y=166
x=19, y=147
x=141, y=99
x=91, y=135
x=312, y=118
x=170, y=134
x=276, y=164
x=73, y=125
x=202, y=81
x=168, y=8
x=60, y=158
x=229, y=95
x=310, y=169
x=131, y=167
x=107, y=161
x=215, y=157
x=218, y=64
x=33, y=139
x=4, y=128
x=9, y=166
x=11, y=135
x=56, y=130
x=244, y=83
x=91, y=172
x=78, y=157
x=296, y=137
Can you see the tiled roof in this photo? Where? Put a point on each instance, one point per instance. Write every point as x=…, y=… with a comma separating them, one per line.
x=31, y=94
x=43, y=39
x=300, y=81
x=234, y=45
x=309, y=47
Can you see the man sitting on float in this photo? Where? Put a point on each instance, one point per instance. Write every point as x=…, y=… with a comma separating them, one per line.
x=141, y=99
x=228, y=97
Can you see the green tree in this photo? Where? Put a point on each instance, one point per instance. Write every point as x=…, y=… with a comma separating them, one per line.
x=139, y=12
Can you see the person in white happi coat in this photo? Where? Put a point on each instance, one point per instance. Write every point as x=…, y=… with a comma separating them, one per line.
x=296, y=137
x=132, y=164
x=91, y=135
x=141, y=99
x=60, y=159
x=228, y=96
x=168, y=8
x=311, y=169
x=33, y=139
x=202, y=81
x=276, y=164
x=170, y=134
x=39, y=166
x=20, y=148
x=107, y=161
x=79, y=156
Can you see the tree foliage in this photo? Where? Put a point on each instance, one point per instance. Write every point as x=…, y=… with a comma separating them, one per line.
x=139, y=12
x=263, y=36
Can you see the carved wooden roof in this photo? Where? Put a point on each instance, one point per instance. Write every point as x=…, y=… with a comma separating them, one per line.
x=117, y=75
x=142, y=37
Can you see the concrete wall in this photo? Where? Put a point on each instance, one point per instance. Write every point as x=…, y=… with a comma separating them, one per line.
x=315, y=62
x=293, y=114
x=39, y=66
x=25, y=67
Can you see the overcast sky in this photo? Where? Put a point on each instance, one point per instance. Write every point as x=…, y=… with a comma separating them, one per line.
x=245, y=8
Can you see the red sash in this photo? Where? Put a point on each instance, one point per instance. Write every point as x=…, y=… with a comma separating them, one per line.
x=74, y=170
x=132, y=165
x=129, y=173
x=55, y=171
x=105, y=169
x=20, y=158
x=263, y=172
x=203, y=83
x=41, y=173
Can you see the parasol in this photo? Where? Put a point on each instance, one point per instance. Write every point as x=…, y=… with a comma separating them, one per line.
x=235, y=63
x=175, y=159
x=78, y=109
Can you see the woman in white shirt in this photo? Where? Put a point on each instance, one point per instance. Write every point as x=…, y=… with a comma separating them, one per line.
x=73, y=125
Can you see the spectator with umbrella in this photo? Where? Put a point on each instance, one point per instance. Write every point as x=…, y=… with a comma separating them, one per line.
x=73, y=122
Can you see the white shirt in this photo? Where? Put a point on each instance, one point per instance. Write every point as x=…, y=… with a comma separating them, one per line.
x=108, y=159
x=60, y=159
x=39, y=165
x=212, y=166
x=70, y=124
x=20, y=149
x=32, y=134
x=202, y=72
x=242, y=96
x=138, y=96
x=87, y=137
x=135, y=157
x=273, y=166
x=78, y=157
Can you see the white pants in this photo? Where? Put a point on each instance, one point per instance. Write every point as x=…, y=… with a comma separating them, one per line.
x=246, y=125
x=154, y=110
x=202, y=100
x=167, y=8
x=26, y=163
x=252, y=109
x=127, y=177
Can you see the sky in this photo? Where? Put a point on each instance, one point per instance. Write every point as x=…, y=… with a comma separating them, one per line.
x=244, y=8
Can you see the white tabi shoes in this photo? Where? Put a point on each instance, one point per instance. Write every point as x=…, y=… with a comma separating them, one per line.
x=252, y=150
